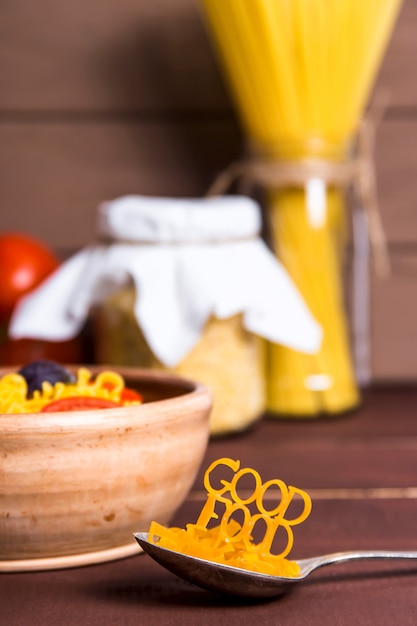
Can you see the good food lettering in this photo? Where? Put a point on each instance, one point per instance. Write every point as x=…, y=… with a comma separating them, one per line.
x=273, y=518
x=229, y=541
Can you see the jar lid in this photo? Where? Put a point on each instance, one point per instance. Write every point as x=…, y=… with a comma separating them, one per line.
x=178, y=220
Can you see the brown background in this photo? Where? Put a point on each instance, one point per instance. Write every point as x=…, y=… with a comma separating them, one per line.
x=101, y=99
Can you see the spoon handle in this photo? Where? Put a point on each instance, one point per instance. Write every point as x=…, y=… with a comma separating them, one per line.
x=308, y=565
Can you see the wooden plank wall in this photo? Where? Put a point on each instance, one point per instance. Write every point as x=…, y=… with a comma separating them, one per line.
x=102, y=99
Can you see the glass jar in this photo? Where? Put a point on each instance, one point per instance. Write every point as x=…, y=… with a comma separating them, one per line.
x=228, y=359
x=224, y=355
x=311, y=247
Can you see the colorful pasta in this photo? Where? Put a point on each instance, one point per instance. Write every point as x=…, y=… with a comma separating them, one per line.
x=107, y=385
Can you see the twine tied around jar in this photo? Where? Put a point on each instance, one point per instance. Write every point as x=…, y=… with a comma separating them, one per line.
x=357, y=171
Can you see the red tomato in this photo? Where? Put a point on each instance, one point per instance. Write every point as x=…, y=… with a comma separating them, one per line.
x=24, y=264
x=130, y=395
x=126, y=395
x=79, y=403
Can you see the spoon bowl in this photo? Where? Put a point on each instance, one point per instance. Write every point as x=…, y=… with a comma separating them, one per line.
x=245, y=583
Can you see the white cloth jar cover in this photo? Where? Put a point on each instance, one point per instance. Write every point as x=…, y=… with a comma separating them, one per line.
x=189, y=259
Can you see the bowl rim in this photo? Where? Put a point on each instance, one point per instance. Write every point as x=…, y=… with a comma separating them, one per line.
x=196, y=396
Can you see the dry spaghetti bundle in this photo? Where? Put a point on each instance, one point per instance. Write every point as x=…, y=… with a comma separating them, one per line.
x=301, y=72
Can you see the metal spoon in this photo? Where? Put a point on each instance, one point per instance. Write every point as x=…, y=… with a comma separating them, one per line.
x=241, y=582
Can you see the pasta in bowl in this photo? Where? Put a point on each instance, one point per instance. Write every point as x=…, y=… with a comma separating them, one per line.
x=45, y=386
x=77, y=483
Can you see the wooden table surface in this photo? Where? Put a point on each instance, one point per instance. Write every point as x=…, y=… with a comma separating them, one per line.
x=361, y=471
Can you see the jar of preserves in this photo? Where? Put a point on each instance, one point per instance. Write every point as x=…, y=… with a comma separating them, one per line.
x=192, y=241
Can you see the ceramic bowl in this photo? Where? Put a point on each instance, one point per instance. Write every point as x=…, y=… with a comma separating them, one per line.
x=75, y=486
